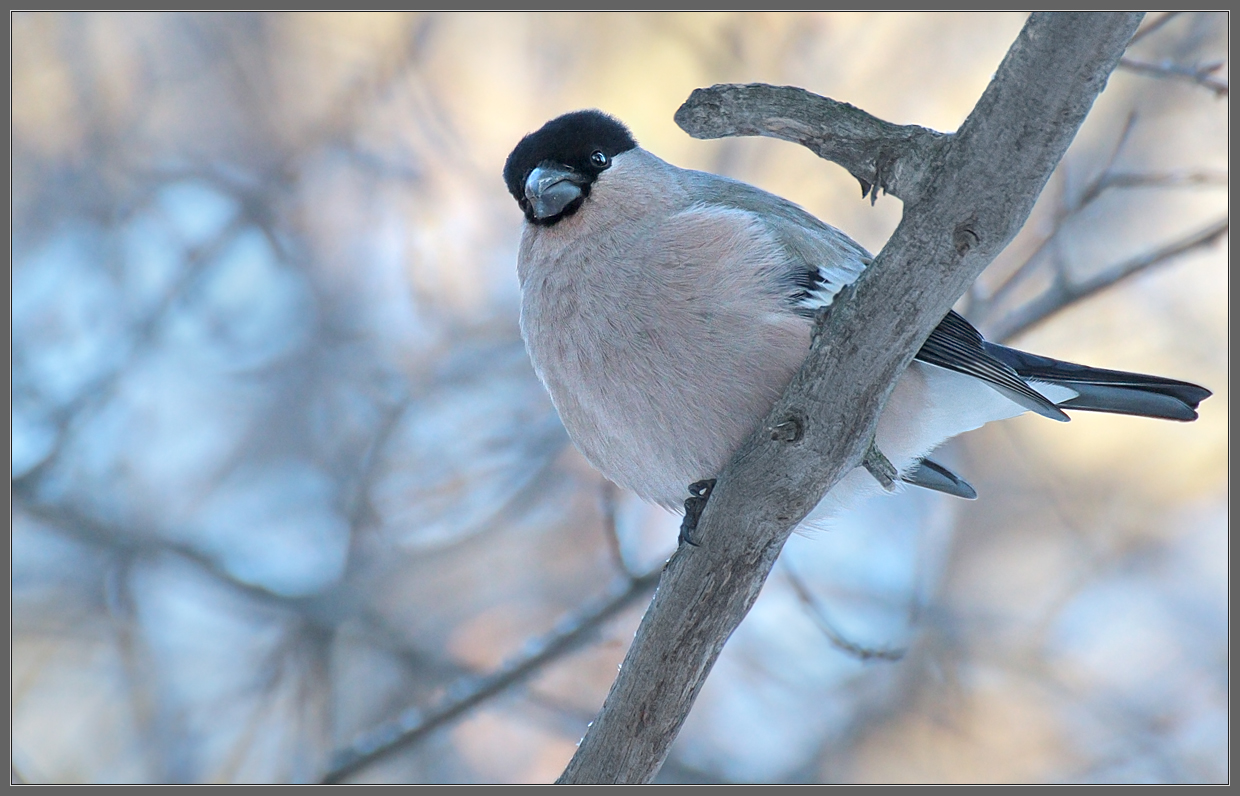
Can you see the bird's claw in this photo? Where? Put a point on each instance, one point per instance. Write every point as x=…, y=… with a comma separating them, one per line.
x=699, y=492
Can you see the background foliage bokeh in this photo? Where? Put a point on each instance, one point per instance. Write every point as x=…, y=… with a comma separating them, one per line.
x=281, y=470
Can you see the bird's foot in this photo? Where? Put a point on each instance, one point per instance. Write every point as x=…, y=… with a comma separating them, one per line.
x=699, y=492
x=880, y=467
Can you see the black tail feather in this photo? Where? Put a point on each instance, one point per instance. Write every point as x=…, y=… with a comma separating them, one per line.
x=1103, y=390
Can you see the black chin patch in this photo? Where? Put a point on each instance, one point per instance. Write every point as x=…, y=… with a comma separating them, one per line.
x=571, y=140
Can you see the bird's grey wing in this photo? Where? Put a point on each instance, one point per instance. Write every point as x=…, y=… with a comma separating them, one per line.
x=956, y=345
x=822, y=259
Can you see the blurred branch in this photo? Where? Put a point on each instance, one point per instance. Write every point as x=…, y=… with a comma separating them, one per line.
x=358, y=97
x=1064, y=292
x=607, y=500
x=1068, y=208
x=962, y=205
x=95, y=531
x=1152, y=25
x=142, y=338
x=414, y=724
x=1202, y=75
x=135, y=663
x=357, y=504
x=837, y=639
x=982, y=304
x=1173, y=179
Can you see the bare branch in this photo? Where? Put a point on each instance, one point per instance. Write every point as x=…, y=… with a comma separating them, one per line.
x=879, y=154
x=95, y=531
x=1099, y=183
x=984, y=303
x=1172, y=179
x=607, y=495
x=1152, y=25
x=1064, y=292
x=1202, y=75
x=1068, y=207
x=837, y=639
x=414, y=724
x=143, y=336
x=964, y=207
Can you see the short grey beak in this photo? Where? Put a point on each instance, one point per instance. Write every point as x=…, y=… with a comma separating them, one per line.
x=551, y=187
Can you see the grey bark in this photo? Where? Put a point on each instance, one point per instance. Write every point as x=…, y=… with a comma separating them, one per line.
x=965, y=197
x=879, y=154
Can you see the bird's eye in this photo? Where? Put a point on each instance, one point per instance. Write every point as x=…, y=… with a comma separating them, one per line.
x=600, y=159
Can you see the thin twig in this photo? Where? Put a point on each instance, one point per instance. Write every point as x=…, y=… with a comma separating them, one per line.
x=1065, y=292
x=1151, y=26
x=1171, y=179
x=143, y=337
x=1202, y=75
x=837, y=639
x=1068, y=208
x=607, y=495
x=414, y=723
x=94, y=530
x=983, y=304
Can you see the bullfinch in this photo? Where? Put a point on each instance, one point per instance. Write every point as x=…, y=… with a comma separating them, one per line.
x=665, y=310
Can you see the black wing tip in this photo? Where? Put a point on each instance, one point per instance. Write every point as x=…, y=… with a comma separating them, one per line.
x=1194, y=394
x=966, y=491
x=932, y=475
x=1055, y=413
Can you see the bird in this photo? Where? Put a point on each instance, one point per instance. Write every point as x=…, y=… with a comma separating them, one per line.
x=665, y=310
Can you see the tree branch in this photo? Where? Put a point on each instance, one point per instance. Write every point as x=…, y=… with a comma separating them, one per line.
x=1152, y=25
x=962, y=207
x=879, y=154
x=1202, y=75
x=984, y=304
x=828, y=628
x=414, y=724
x=1067, y=209
x=1062, y=292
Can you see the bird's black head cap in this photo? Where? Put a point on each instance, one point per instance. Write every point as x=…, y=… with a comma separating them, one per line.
x=574, y=140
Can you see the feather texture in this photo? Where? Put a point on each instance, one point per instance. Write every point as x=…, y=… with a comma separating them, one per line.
x=669, y=310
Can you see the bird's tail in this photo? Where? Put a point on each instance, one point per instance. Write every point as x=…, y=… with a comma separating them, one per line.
x=1100, y=390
